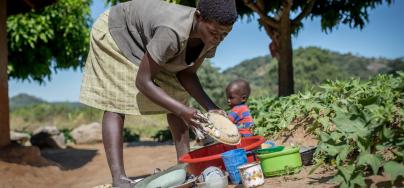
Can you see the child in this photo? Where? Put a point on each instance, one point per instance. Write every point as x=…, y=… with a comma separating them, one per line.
x=237, y=93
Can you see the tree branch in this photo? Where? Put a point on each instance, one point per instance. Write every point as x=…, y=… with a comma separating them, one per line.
x=287, y=5
x=261, y=5
x=263, y=17
x=284, y=10
x=305, y=12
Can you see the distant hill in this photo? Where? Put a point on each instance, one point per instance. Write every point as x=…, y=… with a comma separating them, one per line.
x=23, y=99
x=312, y=66
x=26, y=100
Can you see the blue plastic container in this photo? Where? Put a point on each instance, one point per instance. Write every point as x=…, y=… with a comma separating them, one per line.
x=233, y=159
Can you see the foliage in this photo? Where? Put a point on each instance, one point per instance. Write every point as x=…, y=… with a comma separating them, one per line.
x=130, y=136
x=50, y=39
x=36, y=112
x=313, y=66
x=64, y=115
x=67, y=134
x=163, y=136
x=359, y=125
x=166, y=136
x=213, y=83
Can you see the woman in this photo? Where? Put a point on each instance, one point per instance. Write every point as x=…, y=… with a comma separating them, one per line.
x=143, y=59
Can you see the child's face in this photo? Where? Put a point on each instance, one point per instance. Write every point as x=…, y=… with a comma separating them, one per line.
x=234, y=97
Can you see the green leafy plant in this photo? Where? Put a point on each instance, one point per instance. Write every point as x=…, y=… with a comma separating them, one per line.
x=359, y=125
x=67, y=134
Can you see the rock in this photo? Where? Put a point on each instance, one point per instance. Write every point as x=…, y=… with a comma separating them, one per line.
x=52, y=130
x=87, y=134
x=48, y=137
x=21, y=138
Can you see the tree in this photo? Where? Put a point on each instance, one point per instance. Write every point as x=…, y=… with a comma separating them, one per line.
x=275, y=17
x=52, y=38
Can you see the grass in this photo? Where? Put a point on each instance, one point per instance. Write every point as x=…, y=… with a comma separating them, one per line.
x=29, y=118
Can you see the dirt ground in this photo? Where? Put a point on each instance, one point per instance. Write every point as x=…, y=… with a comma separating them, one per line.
x=85, y=166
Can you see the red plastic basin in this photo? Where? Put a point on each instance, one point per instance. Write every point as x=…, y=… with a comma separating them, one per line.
x=202, y=158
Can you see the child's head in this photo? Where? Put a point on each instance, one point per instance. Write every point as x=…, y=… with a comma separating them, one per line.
x=237, y=92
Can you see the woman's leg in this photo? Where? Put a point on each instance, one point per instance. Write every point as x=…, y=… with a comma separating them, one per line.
x=112, y=127
x=180, y=133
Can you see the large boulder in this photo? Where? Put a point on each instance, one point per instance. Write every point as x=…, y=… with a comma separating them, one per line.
x=87, y=134
x=48, y=137
x=21, y=138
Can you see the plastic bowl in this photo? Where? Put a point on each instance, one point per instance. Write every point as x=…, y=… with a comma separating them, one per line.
x=287, y=161
x=269, y=150
x=223, y=182
x=202, y=158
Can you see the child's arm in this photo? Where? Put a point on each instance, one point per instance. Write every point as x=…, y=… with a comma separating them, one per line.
x=233, y=117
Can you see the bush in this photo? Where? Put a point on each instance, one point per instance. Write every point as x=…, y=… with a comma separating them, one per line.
x=165, y=136
x=359, y=125
x=129, y=136
x=67, y=134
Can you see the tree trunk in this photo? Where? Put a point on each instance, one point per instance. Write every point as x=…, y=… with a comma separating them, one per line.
x=4, y=106
x=285, y=62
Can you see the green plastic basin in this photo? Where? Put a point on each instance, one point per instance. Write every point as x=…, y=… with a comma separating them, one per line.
x=269, y=150
x=287, y=161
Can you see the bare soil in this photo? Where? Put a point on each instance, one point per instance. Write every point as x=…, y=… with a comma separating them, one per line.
x=85, y=166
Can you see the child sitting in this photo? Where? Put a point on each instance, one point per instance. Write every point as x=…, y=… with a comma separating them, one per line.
x=237, y=93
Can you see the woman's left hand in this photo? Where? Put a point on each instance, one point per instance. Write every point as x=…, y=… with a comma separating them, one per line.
x=219, y=111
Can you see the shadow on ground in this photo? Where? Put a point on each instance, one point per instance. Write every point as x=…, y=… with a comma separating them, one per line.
x=24, y=155
x=148, y=144
x=70, y=158
x=381, y=184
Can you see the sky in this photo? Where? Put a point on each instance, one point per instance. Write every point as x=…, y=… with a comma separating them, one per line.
x=383, y=36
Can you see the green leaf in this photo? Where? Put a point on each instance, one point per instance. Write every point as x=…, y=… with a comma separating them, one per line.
x=358, y=180
x=388, y=133
x=393, y=169
x=331, y=149
x=316, y=166
x=346, y=172
x=347, y=124
x=325, y=121
x=374, y=161
x=338, y=179
x=344, y=153
x=324, y=137
x=336, y=136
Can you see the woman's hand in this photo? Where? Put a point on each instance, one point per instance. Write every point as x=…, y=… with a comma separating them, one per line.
x=192, y=117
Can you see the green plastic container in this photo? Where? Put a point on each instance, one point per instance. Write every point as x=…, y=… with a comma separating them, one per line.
x=269, y=150
x=283, y=162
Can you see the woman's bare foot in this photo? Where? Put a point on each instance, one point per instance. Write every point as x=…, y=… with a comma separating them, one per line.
x=123, y=182
x=122, y=185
